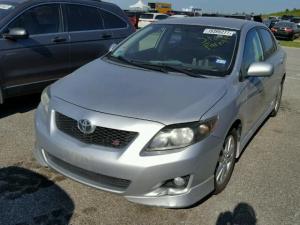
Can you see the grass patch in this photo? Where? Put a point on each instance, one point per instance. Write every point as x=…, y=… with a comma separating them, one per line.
x=295, y=44
x=295, y=12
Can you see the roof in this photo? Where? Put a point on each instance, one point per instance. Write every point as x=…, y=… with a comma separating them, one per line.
x=156, y=14
x=230, y=23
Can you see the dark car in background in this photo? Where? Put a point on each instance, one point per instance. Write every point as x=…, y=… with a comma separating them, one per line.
x=287, y=17
x=296, y=20
x=44, y=40
x=286, y=29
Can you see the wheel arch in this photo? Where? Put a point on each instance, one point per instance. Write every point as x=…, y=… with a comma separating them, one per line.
x=283, y=78
x=238, y=126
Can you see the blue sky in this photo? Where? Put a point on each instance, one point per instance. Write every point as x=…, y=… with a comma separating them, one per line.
x=227, y=6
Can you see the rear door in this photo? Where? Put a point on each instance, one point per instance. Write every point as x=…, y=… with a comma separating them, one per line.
x=88, y=38
x=115, y=25
x=41, y=57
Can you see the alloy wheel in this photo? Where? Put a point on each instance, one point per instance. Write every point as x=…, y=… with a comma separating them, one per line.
x=226, y=161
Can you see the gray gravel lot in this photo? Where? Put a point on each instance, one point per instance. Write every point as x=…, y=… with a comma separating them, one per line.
x=266, y=178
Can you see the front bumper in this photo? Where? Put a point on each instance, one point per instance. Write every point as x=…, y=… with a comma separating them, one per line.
x=283, y=35
x=125, y=171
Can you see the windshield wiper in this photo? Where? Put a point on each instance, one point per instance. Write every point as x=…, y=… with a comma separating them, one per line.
x=138, y=64
x=181, y=70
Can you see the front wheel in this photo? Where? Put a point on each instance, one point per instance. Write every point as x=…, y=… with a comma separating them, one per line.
x=226, y=162
x=277, y=101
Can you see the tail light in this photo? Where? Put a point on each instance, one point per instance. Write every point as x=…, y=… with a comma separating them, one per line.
x=289, y=30
x=273, y=29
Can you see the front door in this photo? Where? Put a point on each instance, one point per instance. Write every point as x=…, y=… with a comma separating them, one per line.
x=43, y=56
x=276, y=58
x=252, y=88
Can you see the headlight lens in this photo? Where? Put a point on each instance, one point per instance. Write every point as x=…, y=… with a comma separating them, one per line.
x=182, y=135
x=45, y=99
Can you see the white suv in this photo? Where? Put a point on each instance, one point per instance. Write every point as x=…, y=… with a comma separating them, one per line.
x=148, y=18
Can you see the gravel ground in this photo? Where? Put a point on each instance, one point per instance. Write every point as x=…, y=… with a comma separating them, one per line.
x=264, y=189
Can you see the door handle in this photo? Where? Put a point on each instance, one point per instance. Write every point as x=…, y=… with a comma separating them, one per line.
x=106, y=36
x=59, y=39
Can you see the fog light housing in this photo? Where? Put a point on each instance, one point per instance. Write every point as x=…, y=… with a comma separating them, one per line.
x=177, y=183
x=175, y=186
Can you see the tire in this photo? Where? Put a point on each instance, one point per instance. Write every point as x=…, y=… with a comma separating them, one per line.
x=293, y=37
x=277, y=101
x=1, y=97
x=221, y=180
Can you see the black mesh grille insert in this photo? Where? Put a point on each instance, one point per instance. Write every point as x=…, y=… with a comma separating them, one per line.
x=101, y=136
x=90, y=177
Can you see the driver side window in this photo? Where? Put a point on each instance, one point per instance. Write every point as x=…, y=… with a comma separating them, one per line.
x=253, y=51
x=39, y=20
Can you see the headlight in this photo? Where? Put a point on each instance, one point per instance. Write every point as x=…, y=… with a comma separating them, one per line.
x=45, y=99
x=181, y=135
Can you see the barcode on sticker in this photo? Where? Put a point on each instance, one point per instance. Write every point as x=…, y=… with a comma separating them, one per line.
x=219, y=32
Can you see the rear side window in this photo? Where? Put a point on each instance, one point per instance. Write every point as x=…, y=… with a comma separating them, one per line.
x=111, y=21
x=253, y=51
x=147, y=16
x=39, y=20
x=161, y=17
x=268, y=43
x=81, y=18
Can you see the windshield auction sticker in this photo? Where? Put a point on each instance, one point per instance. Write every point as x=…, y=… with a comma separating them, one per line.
x=219, y=32
x=5, y=6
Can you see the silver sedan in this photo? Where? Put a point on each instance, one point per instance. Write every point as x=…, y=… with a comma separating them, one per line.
x=162, y=118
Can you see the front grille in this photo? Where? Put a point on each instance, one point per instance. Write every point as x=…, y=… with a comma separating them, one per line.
x=101, y=136
x=86, y=176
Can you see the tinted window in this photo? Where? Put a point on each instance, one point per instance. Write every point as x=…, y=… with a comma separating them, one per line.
x=296, y=20
x=146, y=16
x=253, y=51
x=111, y=21
x=82, y=18
x=39, y=20
x=268, y=43
x=161, y=17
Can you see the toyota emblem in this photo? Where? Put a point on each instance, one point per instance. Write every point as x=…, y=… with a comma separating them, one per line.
x=85, y=126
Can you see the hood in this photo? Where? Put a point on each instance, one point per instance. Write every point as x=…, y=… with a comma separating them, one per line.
x=137, y=93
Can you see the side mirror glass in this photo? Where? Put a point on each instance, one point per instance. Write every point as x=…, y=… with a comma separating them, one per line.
x=260, y=69
x=112, y=47
x=16, y=33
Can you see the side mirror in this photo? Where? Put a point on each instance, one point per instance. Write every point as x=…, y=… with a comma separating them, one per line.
x=260, y=69
x=112, y=47
x=16, y=33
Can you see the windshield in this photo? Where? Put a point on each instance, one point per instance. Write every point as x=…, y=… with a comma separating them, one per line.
x=5, y=9
x=200, y=49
